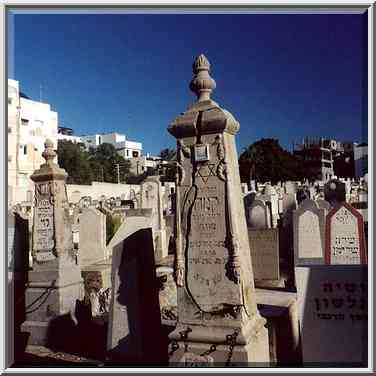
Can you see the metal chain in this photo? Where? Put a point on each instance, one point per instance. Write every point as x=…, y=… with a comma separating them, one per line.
x=231, y=341
x=174, y=347
x=184, y=337
x=211, y=350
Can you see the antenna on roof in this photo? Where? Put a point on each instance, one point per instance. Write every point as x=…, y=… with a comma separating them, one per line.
x=40, y=92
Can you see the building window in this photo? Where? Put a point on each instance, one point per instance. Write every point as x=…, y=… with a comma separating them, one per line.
x=127, y=153
x=24, y=122
x=9, y=100
x=9, y=129
x=100, y=140
x=135, y=153
x=25, y=149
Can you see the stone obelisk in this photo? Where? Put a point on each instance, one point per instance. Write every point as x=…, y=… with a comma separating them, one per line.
x=218, y=319
x=55, y=281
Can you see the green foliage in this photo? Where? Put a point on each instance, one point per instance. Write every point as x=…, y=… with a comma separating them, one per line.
x=76, y=161
x=168, y=154
x=96, y=164
x=265, y=160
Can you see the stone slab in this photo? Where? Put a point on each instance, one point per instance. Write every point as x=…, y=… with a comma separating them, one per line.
x=309, y=234
x=134, y=331
x=333, y=314
x=264, y=246
x=345, y=238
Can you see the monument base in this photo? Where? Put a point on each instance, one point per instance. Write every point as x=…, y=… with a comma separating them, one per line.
x=219, y=347
x=49, y=310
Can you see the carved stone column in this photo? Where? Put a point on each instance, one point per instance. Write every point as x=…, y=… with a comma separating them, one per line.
x=55, y=281
x=218, y=319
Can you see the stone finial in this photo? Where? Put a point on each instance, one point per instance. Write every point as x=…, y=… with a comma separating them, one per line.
x=202, y=84
x=49, y=153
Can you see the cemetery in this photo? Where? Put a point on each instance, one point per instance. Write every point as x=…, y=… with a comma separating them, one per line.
x=203, y=272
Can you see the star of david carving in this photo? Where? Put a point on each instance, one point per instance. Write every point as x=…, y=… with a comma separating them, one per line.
x=205, y=171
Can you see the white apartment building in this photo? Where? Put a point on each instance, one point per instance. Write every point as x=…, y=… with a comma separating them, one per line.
x=66, y=134
x=361, y=159
x=126, y=148
x=30, y=123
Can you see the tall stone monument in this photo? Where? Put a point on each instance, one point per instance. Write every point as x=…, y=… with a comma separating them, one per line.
x=218, y=320
x=55, y=281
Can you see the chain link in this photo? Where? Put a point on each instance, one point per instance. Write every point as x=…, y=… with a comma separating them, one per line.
x=184, y=337
x=174, y=347
x=211, y=350
x=230, y=341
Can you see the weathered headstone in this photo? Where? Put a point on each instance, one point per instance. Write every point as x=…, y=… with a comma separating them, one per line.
x=345, y=243
x=134, y=329
x=216, y=295
x=124, y=227
x=259, y=215
x=55, y=272
x=264, y=245
x=270, y=196
x=323, y=204
x=244, y=188
x=309, y=234
x=333, y=314
x=92, y=236
x=152, y=197
x=18, y=252
x=290, y=187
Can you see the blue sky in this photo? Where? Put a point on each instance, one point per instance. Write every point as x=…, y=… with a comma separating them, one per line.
x=281, y=76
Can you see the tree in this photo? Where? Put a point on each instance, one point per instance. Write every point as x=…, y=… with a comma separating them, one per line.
x=168, y=154
x=265, y=160
x=96, y=164
x=75, y=160
x=104, y=161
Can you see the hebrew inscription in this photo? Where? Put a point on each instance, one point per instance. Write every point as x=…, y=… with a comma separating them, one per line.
x=44, y=241
x=344, y=238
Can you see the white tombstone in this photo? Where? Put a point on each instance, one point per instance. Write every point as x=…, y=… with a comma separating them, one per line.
x=259, y=215
x=92, y=236
x=345, y=242
x=332, y=303
x=309, y=234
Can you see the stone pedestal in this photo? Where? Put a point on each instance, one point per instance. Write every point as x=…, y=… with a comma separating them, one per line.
x=55, y=281
x=218, y=320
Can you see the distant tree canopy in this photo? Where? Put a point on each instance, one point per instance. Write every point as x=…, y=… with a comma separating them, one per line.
x=96, y=164
x=265, y=160
x=167, y=154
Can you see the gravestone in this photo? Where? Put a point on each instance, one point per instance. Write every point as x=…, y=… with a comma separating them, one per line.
x=55, y=272
x=309, y=234
x=248, y=200
x=18, y=263
x=290, y=187
x=264, y=245
x=134, y=329
x=289, y=205
x=259, y=215
x=92, y=236
x=323, y=204
x=124, y=227
x=152, y=197
x=345, y=243
x=270, y=196
x=335, y=192
x=333, y=314
x=216, y=295
x=244, y=188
